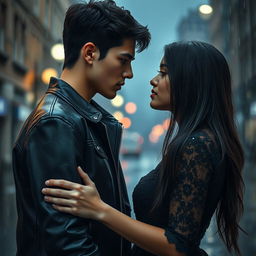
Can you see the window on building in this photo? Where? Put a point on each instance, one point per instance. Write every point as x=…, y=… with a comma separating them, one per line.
x=57, y=21
x=19, y=40
x=253, y=16
x=47, y=12
x=36, y=7
x=15, y=38
x=2, y=26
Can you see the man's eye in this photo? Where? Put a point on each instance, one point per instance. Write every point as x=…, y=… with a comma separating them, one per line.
x=123, y=61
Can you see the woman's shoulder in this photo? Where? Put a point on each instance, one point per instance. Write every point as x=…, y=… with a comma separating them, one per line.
x=202, y=143
x=202, y=137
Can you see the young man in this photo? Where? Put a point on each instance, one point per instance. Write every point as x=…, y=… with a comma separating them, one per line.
x=68, y=129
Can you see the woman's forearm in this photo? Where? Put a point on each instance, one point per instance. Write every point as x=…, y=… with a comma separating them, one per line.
x=148, y=237
x=84, y=201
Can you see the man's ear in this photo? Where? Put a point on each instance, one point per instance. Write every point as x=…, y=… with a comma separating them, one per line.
x=89, y=52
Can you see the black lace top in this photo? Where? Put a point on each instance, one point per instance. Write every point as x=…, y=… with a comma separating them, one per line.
x=186, y=215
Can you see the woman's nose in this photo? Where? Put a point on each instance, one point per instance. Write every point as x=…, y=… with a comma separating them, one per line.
x=153, y=81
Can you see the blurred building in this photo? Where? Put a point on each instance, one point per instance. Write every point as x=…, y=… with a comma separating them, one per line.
x=233, y=31
x=28, y=30
x=194, y=26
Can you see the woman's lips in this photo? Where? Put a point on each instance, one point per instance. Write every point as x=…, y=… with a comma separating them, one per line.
x=153, y=94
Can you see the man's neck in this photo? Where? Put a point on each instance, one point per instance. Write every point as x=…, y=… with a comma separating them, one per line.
x=77, y=82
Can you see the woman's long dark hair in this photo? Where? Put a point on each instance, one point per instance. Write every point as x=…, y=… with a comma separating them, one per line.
x=201, y=96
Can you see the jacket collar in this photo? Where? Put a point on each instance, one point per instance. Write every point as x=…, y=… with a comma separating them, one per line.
x=90, y=110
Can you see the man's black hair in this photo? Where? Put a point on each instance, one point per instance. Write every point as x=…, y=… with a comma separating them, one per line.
x=103, y=23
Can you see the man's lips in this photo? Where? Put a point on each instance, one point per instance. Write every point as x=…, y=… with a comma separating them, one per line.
x=119, y=85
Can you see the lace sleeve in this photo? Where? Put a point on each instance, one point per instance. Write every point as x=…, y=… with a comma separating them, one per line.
x=188, y=199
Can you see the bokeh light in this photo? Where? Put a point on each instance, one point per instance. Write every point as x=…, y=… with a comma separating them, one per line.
x=166, y=123
x=118, y=101
x=126, y=121
x=125, y=165
x=205, y=9
x=130, y=108
x=118, y=115
x=158, y=130
x=153, y=138
x=47, y=74
x=57, y=52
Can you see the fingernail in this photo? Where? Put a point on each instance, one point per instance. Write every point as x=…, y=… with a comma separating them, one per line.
x=47, y=182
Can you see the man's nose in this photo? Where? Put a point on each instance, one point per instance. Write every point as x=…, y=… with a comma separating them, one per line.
x=128, y=73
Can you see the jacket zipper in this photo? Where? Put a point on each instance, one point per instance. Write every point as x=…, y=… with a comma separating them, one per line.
x=111, y=176
x=118, y=183
x=109, y=169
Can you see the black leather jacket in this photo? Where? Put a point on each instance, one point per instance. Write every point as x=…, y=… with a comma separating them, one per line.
x=63, y=132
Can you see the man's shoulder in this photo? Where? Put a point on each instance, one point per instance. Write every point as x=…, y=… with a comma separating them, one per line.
x=53, y=107
x=51, y=111
x=52, y=104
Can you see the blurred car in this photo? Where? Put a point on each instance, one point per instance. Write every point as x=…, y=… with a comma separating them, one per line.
x=131, y=144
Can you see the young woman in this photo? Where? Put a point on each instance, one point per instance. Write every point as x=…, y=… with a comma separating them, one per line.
x=200, y=170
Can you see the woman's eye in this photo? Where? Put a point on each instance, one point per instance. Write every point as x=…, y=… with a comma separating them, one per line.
x=162, y=73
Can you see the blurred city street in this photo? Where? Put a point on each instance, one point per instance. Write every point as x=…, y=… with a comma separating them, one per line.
x=31, y=51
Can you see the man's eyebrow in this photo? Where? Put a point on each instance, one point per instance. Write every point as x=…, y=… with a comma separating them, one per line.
x=163, y=65
x=128, y=55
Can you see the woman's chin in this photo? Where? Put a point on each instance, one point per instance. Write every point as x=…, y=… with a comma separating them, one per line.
x=159, y=107
x=152, y=105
